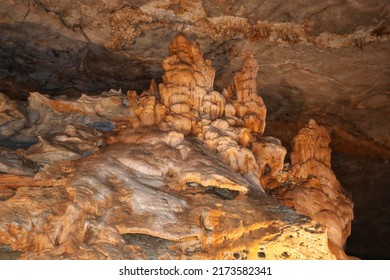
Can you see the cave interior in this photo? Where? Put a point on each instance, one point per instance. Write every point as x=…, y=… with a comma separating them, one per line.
x=237, y=121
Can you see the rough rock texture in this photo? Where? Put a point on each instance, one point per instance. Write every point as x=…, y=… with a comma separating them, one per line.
x=327, y=61
x=113, y=172
x=188, y=79
x=73, y=142
x=140, y=186
x=318, y=194
x=323, y=60
x=243, y=96
x=12, y=117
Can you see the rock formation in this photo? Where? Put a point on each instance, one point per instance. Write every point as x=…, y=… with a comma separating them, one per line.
x=313, y=189
x=187, y=88
x=311, y=66
x=243, y=96
x=180, y=167
x=12, y=117
x=312, y=162
x=160, y=187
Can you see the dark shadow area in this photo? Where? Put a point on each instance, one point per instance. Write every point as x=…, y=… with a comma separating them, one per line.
x=35, y=58
x=367, y=180
x=6, y=253
x=155, y=246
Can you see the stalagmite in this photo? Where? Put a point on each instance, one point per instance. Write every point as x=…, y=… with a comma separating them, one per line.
x=242, y=94
x=187, y=87
x=316, y=191
x=181, y=166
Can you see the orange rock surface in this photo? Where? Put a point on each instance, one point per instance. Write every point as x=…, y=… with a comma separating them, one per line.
x=313, y=189
x=178, y=172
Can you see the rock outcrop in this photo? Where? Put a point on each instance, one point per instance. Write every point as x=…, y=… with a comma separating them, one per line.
x=165, y=189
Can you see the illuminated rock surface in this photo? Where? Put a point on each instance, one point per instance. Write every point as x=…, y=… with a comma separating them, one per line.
x=145, y=187
x=313, y=189
x=178, y=172
x=321, y=60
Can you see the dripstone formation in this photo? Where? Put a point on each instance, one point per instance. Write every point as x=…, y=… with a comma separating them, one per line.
x=180, y=171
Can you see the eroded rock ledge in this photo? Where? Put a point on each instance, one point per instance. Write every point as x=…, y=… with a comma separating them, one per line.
x=190, y=17
x=182, y=167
